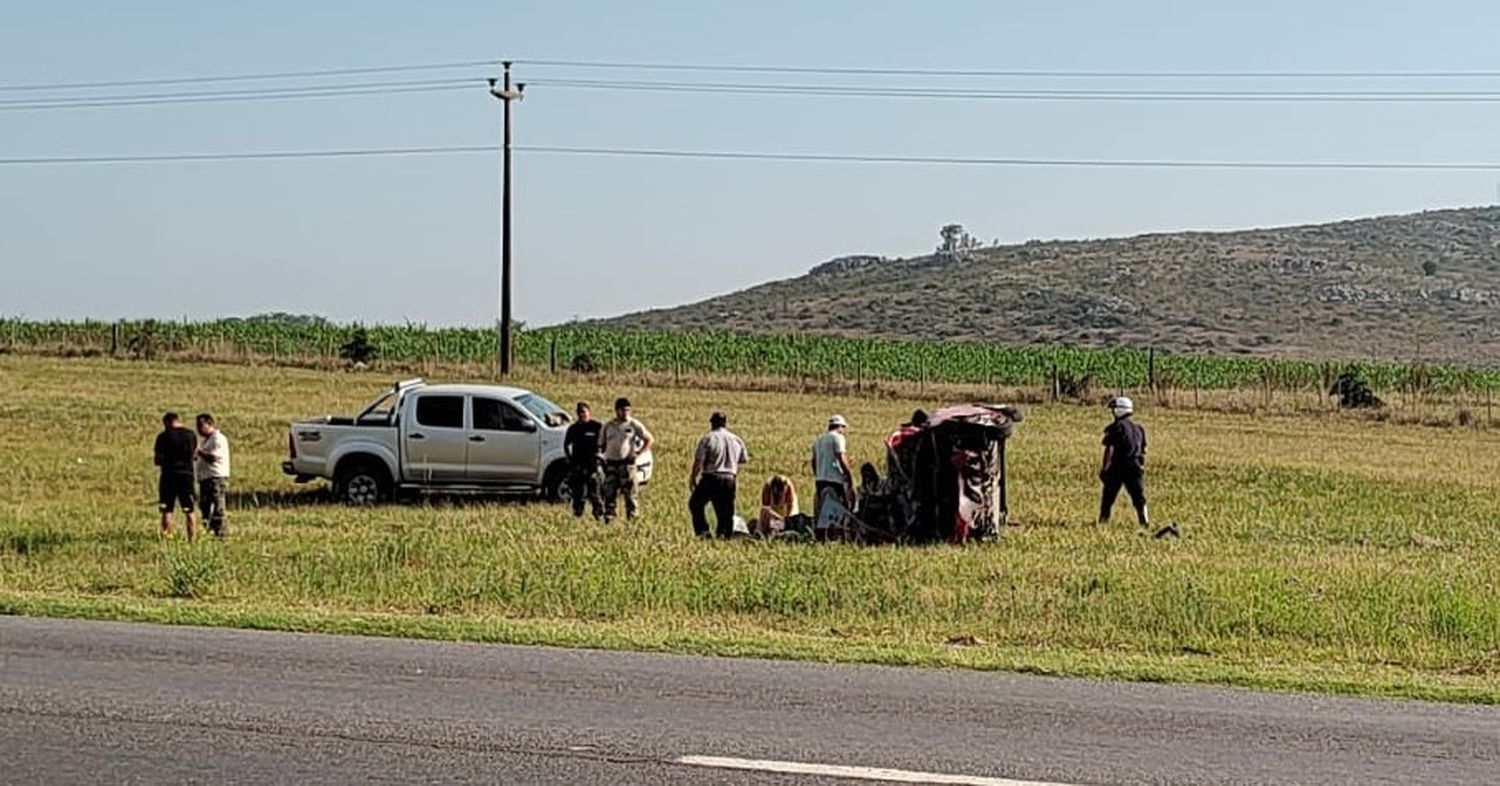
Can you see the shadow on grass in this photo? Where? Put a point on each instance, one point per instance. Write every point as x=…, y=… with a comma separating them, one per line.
x=32, y=541
x=282, y=499
x=276, y=499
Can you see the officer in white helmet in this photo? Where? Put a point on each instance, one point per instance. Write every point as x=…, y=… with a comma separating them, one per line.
x=1124, y=464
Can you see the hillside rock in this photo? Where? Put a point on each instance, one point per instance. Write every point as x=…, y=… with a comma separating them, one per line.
x=1347, y=290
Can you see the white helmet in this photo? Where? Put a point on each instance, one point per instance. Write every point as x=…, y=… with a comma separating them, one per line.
x=1122, y=406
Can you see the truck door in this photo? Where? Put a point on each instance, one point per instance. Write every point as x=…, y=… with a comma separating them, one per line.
x=436, y=442
x=503, y=443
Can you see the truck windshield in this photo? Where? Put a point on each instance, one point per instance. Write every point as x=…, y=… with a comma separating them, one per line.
x=544, y=410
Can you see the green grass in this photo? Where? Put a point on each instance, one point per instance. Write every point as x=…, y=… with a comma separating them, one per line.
x=1319, y=553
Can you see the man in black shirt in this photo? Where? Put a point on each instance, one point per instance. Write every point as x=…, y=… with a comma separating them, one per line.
x=1124, y=462
x=176, y=447
x=581, y=446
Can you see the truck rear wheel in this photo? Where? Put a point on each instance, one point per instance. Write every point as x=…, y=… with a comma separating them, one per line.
x=362, y=483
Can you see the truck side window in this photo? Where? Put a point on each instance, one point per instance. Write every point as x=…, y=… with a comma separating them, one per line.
x=441, y=411
x=494, y=415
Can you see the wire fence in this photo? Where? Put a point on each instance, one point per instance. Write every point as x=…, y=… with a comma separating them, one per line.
x=857, y=362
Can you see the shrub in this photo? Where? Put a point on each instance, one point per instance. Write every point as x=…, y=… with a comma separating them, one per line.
x=1354, y=391
x=1074, y=385
x=143, y=342
x=358, y=348
x=583, y=363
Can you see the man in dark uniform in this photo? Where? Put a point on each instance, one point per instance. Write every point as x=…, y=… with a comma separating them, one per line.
x=1124, y=462
x=581, y=446
x=176, y=447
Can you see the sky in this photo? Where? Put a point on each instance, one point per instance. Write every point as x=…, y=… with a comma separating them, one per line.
x=416, y=238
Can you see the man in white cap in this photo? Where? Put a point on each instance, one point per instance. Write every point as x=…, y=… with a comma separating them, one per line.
x=830, y=464
x=1124, y=463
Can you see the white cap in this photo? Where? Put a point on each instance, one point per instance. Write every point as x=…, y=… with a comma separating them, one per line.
x=1122, y=405
x=837, y=420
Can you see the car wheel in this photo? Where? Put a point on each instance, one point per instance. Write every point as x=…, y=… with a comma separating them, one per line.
x=363, y=484
x=555, y=486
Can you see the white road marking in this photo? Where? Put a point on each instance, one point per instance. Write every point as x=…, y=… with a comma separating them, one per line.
x=857, y=773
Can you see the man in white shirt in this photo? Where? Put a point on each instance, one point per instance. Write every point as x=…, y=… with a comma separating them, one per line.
x=211, y=465
x=830, y=464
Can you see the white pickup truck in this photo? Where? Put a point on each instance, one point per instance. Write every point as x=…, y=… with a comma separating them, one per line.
x=420, y=437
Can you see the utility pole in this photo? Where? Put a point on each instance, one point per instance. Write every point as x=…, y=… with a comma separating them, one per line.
x=506, y=95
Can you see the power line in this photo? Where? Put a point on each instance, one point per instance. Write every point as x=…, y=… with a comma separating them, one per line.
x=372, y=89
x=291, y=90
x=725, y=88
x=1013, y=162
x=1019, y=73
x=250, y=156
x=859, y=91
x=740, y=155
x=186, y=80
x=1016, y=73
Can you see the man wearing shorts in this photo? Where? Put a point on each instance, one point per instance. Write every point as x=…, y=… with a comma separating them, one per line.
x=175, y=451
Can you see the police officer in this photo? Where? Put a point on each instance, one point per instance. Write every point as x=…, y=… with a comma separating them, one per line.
x=581, y=446
x=1124, y=464
x=621, y=442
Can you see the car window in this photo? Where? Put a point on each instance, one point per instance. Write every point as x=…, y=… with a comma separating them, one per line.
x=441, y=411
x=495, y=415
x=544, y=410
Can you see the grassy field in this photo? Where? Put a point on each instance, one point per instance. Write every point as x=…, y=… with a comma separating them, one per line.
x=1321, y=553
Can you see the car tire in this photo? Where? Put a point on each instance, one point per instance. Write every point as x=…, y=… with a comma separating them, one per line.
x=362, y=483
x=555, y=484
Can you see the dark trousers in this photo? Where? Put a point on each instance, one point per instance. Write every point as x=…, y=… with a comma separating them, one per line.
x=211, y=493
x=1134, y=483
x=716, y=490
x=584, y=483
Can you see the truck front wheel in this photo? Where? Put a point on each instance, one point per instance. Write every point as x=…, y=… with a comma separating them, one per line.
x=362, y=483
x=555, y=483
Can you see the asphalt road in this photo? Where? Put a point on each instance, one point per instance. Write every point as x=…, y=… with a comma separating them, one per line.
x=90, y=702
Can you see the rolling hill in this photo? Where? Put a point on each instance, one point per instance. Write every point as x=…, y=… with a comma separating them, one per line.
x=1424, y=286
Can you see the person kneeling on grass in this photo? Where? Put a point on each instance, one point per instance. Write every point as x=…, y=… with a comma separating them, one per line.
x=175, y=450
x=1124, y=463
x=716, y=465
x=778, y=503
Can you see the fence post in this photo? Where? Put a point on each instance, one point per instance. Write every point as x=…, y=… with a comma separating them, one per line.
x=1151, y=368
x=859, y=371
x=553, y=354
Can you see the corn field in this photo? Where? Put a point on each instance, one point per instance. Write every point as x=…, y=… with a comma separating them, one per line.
x=607, y=350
